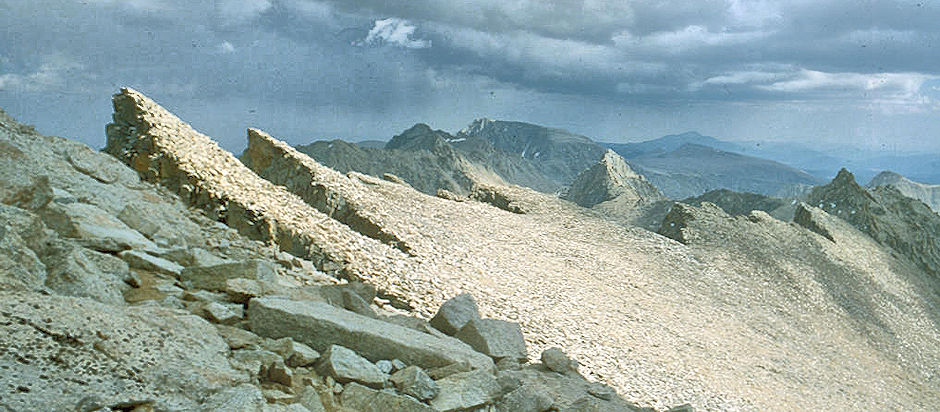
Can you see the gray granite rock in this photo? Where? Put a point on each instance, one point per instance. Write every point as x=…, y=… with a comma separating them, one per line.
x=455, y=313
x=496, y=338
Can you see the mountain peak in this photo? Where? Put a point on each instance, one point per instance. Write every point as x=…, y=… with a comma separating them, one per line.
x=844, y=177
x=418, y=137
x=611, y=177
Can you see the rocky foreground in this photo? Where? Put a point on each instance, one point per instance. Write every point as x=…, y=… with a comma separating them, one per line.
x=169, y=275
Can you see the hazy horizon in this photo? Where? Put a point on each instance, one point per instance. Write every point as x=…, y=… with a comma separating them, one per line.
x=817, y=73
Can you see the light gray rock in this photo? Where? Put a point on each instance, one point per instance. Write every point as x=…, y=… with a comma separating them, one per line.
x=214, y=277
x=145, y=261
x=555, y=359
x=415, y=382
x=20, y=232
x=385, y=366
x=467, y=390
x=526, y=398
x=345, y=366
x=74, y=271
x=219, y=313
x=237, y=338
x=294, y=353
x=93, y=227
x=244, y=397
x=496, y=338
x=362, y=399
x=193, y=257
x=77, y=347
x=455, y=313
x=310, y=399
x=320, y=325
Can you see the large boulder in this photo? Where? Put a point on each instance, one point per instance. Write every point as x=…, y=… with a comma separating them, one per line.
x=455, y=313
x=321, y=325
x=496, y=338
x=344, y=365
x=466, y=391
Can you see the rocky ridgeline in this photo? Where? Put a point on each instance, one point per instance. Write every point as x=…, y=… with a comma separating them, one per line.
x=899, y=222
x=117, y=297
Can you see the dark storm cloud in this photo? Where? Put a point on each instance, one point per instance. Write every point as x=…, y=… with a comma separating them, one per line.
x=369, y=68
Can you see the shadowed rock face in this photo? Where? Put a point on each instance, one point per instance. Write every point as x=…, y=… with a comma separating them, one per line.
x=904, y=224
x=558, y=154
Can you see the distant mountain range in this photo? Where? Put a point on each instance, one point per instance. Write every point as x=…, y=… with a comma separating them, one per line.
x=548, y=160
x=691, y=164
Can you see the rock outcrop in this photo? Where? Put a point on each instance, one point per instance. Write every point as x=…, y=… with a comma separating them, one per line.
x=609, y=179
x=167, y=151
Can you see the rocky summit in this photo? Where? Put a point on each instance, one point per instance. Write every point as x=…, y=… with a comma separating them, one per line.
x=167, y=274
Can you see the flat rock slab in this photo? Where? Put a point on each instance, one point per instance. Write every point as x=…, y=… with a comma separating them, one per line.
x=60, y=350
x=321, y=325
x=359, y=398
x=214, y=277
x=144, y=261
x=93, y=227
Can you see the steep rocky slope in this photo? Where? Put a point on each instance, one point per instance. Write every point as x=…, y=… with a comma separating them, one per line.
x=116, y=296
x=929, y=194
x=741, y=313
x=595, y=288
x=901, y=223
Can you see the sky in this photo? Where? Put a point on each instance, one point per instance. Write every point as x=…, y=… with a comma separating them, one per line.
x=824, y=72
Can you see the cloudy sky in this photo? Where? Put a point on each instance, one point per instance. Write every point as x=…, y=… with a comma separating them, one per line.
x=865, y=72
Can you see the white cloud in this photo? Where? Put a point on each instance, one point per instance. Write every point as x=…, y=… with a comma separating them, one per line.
x=690, y=37
x=50, y=75
x=395, y=31
x=897, y=84
x=226, y=48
